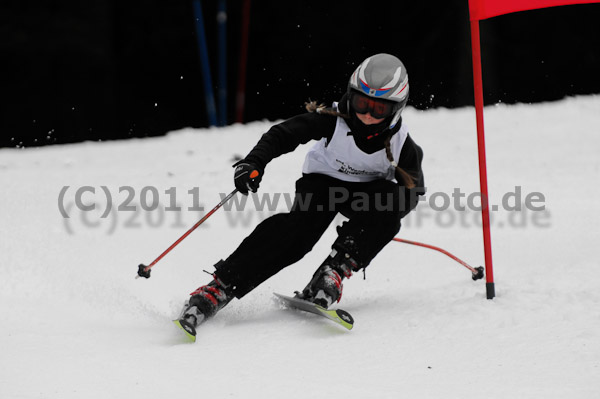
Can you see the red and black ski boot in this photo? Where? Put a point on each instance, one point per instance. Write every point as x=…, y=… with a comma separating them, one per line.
x=326, y=285
x=203, y=304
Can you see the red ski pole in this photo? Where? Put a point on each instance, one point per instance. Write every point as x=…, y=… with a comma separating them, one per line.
x=477, y=272
x=144, y=271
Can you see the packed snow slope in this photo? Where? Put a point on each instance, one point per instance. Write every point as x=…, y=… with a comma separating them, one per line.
x=77, y=324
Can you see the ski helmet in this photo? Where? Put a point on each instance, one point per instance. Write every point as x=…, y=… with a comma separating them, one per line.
x=381, y=77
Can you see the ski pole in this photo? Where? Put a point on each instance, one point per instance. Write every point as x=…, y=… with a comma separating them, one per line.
x=477, y=272
x=144, y=271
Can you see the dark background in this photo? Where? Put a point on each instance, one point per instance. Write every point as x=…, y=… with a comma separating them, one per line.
x=109, y=69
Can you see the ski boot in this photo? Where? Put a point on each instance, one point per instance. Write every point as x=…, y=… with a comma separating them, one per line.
x=203, y=304
x=326, y=286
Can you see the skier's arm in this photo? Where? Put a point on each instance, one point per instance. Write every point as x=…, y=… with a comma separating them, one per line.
x=410, y=160
x=287, y=136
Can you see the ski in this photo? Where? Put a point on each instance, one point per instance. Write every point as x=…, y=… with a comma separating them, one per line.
x=339, y=316
x=187, y=328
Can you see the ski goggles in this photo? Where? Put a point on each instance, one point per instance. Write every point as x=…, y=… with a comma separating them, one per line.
x=379, y=109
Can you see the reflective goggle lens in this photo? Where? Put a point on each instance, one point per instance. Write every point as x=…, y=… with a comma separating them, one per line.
x=378, y=109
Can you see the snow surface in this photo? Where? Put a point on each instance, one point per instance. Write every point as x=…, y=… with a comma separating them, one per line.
x=76, y=324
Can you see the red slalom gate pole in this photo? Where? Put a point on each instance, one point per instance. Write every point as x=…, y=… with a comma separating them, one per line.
x=144, y=271
x=477, y=272
x=485, y=212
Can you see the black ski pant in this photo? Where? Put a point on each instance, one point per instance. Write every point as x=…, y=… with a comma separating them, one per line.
x=374, y=210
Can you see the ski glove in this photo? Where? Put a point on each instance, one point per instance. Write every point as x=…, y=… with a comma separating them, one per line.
x=247, y=177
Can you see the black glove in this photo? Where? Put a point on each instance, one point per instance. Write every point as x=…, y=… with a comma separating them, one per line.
x=247, y=177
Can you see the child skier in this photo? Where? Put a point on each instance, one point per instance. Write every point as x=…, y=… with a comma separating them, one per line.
x=364, y=165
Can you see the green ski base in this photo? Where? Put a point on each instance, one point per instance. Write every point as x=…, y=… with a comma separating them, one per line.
x=189, y=335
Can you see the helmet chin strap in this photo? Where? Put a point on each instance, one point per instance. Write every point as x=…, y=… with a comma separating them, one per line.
x=395, y=119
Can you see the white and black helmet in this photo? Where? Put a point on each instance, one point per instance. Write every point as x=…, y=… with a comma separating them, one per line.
x=381, y=77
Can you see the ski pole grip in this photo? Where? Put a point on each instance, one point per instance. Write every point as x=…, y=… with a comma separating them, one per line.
x=142, y=272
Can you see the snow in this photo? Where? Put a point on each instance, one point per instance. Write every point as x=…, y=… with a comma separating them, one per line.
x=76, y=323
